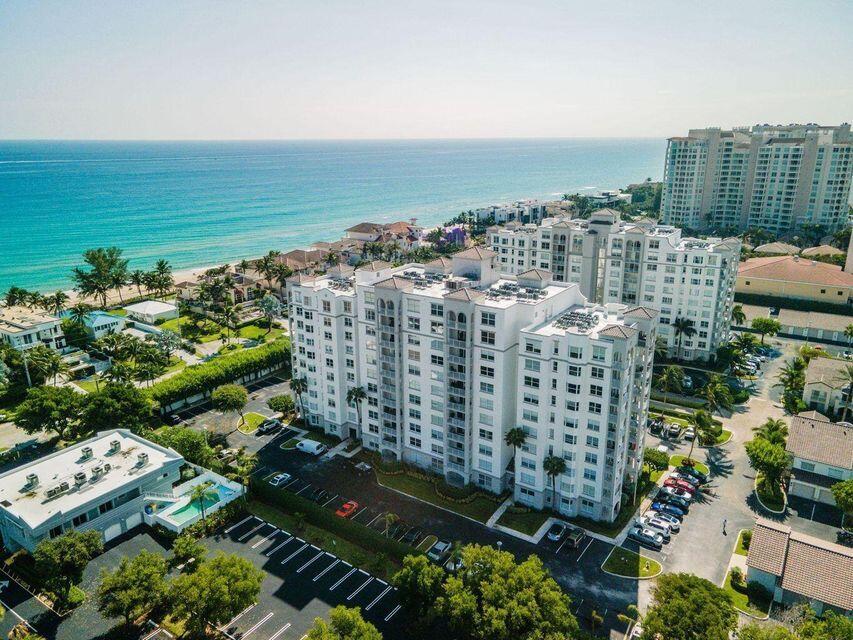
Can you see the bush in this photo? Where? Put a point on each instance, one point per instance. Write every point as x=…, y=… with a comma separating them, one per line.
x=669, y=399
x=737, y=575
x=204, y=378
x=282, y=404
x=324, y=519
x=740, y=396
x=746, y=538
x=657, y=460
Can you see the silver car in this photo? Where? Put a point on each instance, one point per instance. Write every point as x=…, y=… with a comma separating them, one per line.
x=656, y=525
x=672, y=521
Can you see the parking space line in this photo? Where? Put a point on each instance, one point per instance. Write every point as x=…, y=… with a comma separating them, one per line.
x=234, y=526
x=262, y=540
x=248, y=535
x=363, y=509
x=307, y=564
x=330, y=499
x=335, y=586
x=290, y=482
x=295, y=553
x=381, y=580
x=591, y=540
x=579, y=606
x=307, y=486
x=391, y=615
x=357, y=591
x=326, y=570
x=279, y=632
x=347, y=563
x=238, y=616
x=258, y=624
x=377, y=599
x=15, y=613
x=562, y=544
x=270, y=553
x=374, y=520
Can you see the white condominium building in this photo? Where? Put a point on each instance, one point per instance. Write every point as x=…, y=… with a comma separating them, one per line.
x=438, y=350
x=772, y=177
x=635, y=263
x=521, y=211
x=23, y=328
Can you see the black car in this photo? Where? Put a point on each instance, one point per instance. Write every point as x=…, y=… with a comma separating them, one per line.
x=681, y=503
x=269, y=426
x=691, y=471
x=174, y=419
x=320, y=496
x=412, y=536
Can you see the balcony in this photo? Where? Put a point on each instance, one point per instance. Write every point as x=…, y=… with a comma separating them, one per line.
x=456, y=422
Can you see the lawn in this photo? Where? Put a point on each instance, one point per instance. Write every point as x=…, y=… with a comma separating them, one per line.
x=527, y=523
x=290, y=444
x=772, y=498
x=201, y=330
x=252, y=422
x=322, y=436
x=676, y=461
x=87, y=384
x=377, y=563
x=740, y=549
x=480, y=508
x=624, y=562
x=254, y=331
x=427, y=542
x=723, y=437
x=754, y=606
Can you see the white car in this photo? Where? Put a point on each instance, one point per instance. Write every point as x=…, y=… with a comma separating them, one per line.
x=689, y=433
x=672, y=521
x=280, y=479
x=311, y=446
x=658, y=526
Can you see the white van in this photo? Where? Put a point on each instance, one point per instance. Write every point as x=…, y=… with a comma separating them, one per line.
x=312, y=446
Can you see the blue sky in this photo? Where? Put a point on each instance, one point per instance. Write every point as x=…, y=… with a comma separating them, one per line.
x=398, y=69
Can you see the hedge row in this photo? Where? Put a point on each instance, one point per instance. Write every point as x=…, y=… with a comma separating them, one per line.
x=671, y=399
x=676, y=414
x=324, y=519
x=204, y=378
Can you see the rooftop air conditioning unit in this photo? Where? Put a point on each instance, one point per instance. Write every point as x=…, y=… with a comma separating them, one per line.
x=79, y=478
x=107, y=467
x=32, y=480
x=97, y=470
x=115, y=446
x=86, y=453
x=53, y=491
x=142, y=459
x=64, y=486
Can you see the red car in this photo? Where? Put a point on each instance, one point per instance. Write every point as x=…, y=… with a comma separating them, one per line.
x=347, y=509
x=680, y=484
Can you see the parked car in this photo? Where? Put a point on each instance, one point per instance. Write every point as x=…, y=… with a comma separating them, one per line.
x=676, y=491
x=646, y=537
x=847, y=355
x=412, y=536
x=692, y=471
x=280, y=479
x=680, y=484
x=658, y=526
x=347, y=509
x=685, y=477
x=320, y=496
x=438, y=551
x=687, y=382
x=269, y=426
x=556, y=532
x=454, y=565
x=575, y=537
x=681, y=503
x=174, y=419
x=689, y=433
x=312, y=446
x=673, y=522
x=671, y=509
x=227, y=454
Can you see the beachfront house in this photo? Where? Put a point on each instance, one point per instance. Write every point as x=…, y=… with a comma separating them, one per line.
x=151, y=311
x=23, y=328
x=111, y=483
x=99, y=324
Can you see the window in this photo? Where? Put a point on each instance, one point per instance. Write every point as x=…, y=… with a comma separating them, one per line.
x=599, y=353
x=531, y=365
x=529, y=381
x=487, y=372
x=487, y=387
x=487, y=319
x=576, y=353
x=592, y=441
x=595, y=407
x=487, y=337
x=436, y=309
x=533, y=347
x=414, y=323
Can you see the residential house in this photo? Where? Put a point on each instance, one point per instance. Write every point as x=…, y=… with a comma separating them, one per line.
x=822, y=455
x=793, y=277
x=23, y=328
x=825, y=389
x=813, y=326
x=100, y=323
x=151, y=311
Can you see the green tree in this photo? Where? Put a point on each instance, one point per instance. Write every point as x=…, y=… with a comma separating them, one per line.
x=47, y=362
x=355, y=396
x=745, y=342
x=390, y=520
x=495, y=598
x=162, y=277
x=270, y=307
x=117, y=406
x=185, y=548
x=830, y=626
x=230, y=398
x=199, y=494
x=756, y=631
x=191, y=444
x=554, y=466
x=774, y=430
x=670, y=380
x=419, y=584
x=515, y=438
x=137, y=279
x=56, y=302
x=121, y=373
x=846, y=379
x=50, y=409
x=343, y=624
x=215, y=592
x=771, y=460
x=703, y=426
x=717, y=393
x=738, y=316
x=60, y=561
x=134, y=588
x=103, y=267
x=282, y=404
x=683, y=329
x=843, y=494
x=687, y=607
x=657, y=460
x=766, y=327
x=167, y=342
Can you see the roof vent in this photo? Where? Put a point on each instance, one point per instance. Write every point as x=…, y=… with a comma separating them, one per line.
x=79, y=478
x=32, y=480
x=86, y=453
x=115, y=446
x=107, y=467
x=142, y=459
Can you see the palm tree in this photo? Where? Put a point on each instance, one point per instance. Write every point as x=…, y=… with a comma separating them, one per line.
x=137, y=278
x=243, y=266
x=15, y=296
x=299, y=386
x=119, y=278
x=49, y=363
x=846, y=378
x=792, y=374
x=120, y=373
x=671, y=379
x=703, y=427
x=390, y=519
x=717, y=393
x=56, y=303
x=554, y=466
x=774, y=430
x=355, y=395
x=34, y=299
x=163, y=280
x=661, y=347
x=199, y=494
x=683, y=328
x=738, y=316
x=229, y=318
x=744, y=342
x=515, y=438
x=266, y=266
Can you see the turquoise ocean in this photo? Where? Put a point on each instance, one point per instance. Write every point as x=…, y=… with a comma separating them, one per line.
x=204, y=203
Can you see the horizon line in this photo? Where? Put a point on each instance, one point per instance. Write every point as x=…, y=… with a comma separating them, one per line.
x=420, y=139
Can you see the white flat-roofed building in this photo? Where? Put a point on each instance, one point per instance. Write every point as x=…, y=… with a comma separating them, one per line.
x=100, y=483
x=436, y=349
x=151, y=311
x=24, y=328
x=583, y=389
x=634, y=263
x=522, y=211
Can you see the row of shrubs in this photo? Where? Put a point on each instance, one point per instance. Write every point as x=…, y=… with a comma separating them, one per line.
x=204, y=378
x=675, y=413
x=671, y=399
x=324, y=519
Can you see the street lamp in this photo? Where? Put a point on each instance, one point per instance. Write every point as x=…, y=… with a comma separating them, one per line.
x=500, y=545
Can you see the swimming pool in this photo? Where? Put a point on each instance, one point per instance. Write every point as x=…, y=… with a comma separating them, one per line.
x=193, y=508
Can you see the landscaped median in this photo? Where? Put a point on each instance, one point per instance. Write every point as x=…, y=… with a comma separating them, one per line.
x=678, y=460
x=628, y=564
x=771, y=498
x=522, y=519
x=251, y=423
